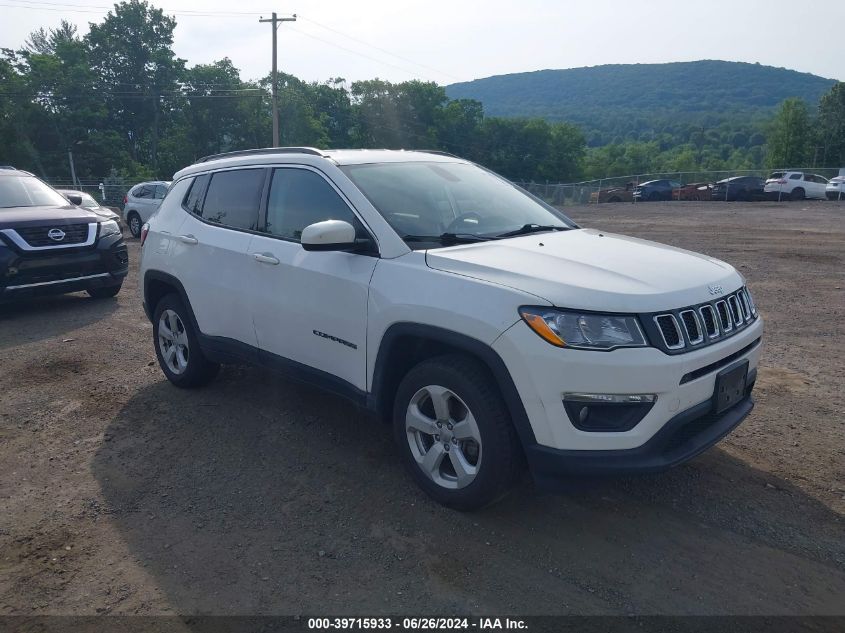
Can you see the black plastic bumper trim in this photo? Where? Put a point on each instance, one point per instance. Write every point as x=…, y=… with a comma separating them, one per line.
x=685, y=436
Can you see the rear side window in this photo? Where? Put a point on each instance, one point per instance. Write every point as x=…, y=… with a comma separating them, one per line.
x=233, y=198
x=161, y=192
x=299, y=197
x=142, y=191
x=796, y=176
x=193, y=201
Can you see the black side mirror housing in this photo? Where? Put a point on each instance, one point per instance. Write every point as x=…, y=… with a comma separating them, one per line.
x=74, y=199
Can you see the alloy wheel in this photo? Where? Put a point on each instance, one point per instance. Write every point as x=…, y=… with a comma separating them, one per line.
x=173, y=341
x=443, y=436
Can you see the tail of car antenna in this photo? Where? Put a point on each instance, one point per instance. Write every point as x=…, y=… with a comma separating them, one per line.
x=313, y=151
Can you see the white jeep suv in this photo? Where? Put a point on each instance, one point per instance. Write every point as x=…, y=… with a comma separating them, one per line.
x=489, y=329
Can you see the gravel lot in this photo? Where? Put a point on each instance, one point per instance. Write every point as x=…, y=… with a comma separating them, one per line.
x=121, y=494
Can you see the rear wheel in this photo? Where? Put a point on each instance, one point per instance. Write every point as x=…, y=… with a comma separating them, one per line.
x=797, y=194
x=454, y=432
x=104, y=292
x=177, y=347
x=134, y=224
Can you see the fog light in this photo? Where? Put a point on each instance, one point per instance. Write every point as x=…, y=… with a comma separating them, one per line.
x=603, y=412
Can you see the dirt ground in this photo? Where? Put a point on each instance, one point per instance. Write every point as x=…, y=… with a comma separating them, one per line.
x=120, y=494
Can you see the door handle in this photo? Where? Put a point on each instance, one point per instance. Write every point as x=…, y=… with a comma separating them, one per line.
x=189, y=239
x=265, y=259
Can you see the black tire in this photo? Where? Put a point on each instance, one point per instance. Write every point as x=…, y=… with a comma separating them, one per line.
x=654, y=196
x=797, y=194
x=105, y=292
x=501, y=460
x=135, y=224
x=199, y=370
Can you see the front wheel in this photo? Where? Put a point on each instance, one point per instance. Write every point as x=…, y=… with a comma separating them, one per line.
x=455, y=433
x=177, y=347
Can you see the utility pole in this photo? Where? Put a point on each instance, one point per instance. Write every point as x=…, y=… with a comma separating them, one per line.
x=275, y=22
x=72, y=170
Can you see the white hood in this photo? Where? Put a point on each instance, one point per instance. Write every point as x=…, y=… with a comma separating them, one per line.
x=588, y=269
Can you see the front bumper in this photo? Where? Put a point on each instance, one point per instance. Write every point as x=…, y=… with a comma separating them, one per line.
x=685, y=436
x=24, y=275
x=683, y=383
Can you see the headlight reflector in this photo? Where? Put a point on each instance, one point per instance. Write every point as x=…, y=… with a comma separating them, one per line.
x=584, y=330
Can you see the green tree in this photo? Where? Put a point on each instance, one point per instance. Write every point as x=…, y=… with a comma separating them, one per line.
x=790, y=136
x=130, y=51
x=832, y=126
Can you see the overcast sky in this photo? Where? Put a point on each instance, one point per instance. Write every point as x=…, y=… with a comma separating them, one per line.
x=459, y=40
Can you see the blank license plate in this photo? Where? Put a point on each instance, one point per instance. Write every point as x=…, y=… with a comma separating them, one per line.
x=730, y=386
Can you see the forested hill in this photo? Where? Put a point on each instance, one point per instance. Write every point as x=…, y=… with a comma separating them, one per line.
x=631, y=101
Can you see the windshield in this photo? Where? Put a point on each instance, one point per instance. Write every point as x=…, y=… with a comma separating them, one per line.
x=28, y=191
x=430, y=199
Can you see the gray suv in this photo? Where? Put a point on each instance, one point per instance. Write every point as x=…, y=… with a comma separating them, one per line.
x=141, y=202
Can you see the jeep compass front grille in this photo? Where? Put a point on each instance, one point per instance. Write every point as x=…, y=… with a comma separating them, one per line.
x=54, y=235
x=685, y=329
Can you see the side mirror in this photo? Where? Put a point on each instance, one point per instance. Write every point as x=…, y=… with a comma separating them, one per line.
x=74, y=199
x=329, y=235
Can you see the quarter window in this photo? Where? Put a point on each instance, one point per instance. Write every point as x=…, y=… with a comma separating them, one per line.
x=233, y=198
x=193, y=201
x=299, y=197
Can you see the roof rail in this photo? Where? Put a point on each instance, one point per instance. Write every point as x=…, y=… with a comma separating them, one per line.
x=435, y=151
x=263, y=150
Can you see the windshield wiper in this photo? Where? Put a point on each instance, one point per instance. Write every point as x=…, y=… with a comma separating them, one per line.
x=525, y=229
x=448, y=238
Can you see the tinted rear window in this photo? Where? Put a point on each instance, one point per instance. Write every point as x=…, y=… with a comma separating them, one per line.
x=233, y=198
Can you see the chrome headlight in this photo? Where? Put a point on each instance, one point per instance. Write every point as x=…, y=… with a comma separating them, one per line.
x=109, y=227
x=584, y=330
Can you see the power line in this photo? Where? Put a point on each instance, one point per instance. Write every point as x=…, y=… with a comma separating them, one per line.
x=378, y=48
x=88, y=8
x=354, y=52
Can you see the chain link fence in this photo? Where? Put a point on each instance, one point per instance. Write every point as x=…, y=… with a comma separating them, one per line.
x=109, y=191
x=695, y=185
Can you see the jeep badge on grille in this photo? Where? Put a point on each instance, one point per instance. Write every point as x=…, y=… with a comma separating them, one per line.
x=715, y=289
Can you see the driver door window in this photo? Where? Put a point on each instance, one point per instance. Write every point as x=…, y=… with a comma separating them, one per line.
x=300, y=197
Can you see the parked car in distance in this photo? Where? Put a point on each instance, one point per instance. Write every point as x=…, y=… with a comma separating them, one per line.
x=655, y=190
x=50, y=246
x=738, y=188
x=835, y=189
x=141, y=202
x=87, y=201
x=795, y=185
x=622, y=193
x=484, y=325
x=693, y=192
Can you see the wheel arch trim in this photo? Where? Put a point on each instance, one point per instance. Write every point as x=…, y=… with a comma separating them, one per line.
x=157, y=275
x=380, y=397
